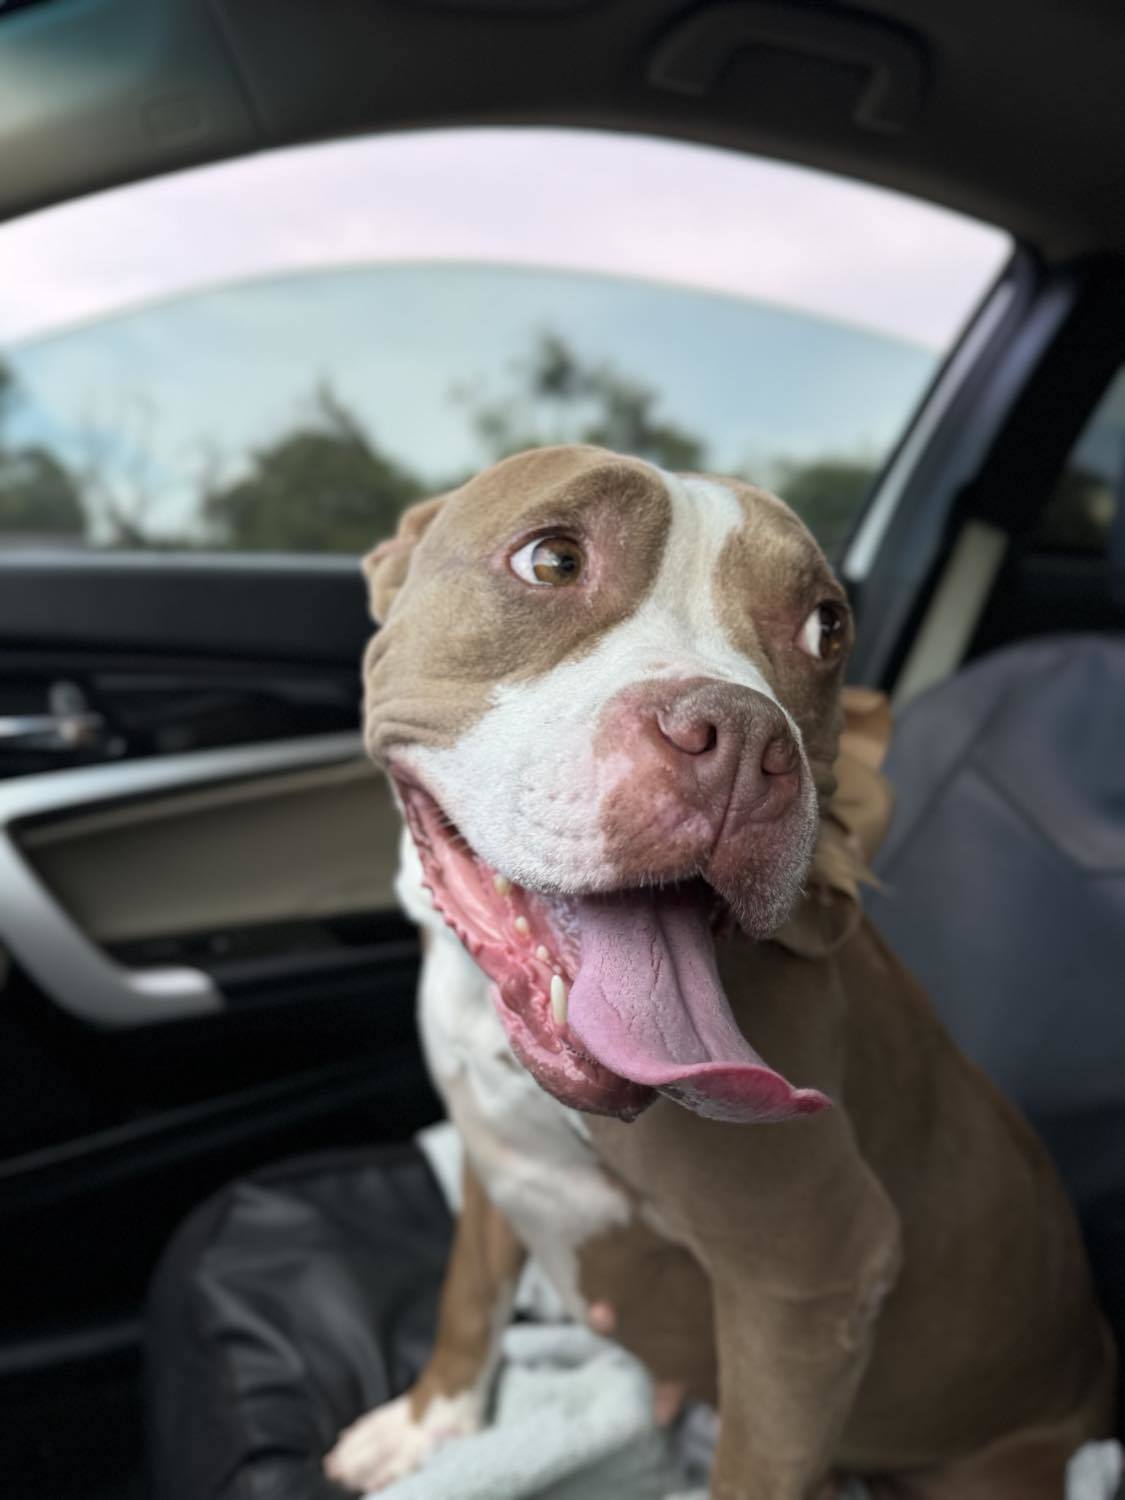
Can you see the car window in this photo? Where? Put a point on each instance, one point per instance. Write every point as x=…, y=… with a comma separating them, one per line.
x=1083, y=507
x=280, y=353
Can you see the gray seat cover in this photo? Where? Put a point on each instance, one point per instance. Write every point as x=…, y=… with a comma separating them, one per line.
x=1004, y=892
x=1005, y=867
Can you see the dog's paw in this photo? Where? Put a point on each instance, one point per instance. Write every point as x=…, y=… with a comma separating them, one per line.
x=390, y=1442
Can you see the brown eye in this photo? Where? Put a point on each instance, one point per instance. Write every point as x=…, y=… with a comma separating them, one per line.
x=823, y=633
x=552, y=560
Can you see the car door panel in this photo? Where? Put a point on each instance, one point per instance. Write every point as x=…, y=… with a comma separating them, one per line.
x=236, y=847
x=204, y=965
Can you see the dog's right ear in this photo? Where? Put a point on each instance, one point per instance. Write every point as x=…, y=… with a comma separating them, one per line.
x=386, y=567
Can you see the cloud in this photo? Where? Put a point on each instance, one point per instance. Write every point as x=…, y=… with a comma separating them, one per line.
x=691, y=215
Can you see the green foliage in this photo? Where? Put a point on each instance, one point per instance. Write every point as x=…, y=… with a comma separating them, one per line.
x=827, y=494
x=556, y=397
x=325, y=486
x=38, y=494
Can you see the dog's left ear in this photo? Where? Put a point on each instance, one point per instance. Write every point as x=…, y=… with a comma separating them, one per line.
x=852, y=827
x=386, y=567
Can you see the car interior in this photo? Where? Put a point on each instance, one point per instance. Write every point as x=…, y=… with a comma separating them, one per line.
x=203, y=972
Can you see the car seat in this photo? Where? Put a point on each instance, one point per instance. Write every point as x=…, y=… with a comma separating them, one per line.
x=304, y=1295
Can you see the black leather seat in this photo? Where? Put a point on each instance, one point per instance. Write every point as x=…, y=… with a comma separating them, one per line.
x=284, y=1307
x=303, y=1296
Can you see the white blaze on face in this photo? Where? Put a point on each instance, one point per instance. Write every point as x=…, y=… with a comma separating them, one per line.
x=524, y=785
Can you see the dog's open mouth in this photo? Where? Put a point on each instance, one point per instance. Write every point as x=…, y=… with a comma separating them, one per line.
x=606, y=999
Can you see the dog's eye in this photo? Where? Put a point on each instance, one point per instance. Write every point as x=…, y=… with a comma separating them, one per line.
x=822, y=634
x=552, y=560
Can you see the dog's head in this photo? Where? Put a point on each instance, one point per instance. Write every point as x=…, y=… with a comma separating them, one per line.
x=608, y=698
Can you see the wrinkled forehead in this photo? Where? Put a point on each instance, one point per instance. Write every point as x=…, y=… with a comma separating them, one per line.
x=750, y=542
x=769, y=558
x=584, y=488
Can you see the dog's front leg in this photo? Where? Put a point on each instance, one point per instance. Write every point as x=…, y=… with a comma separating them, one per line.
x=791, y=1357
x=795, y=1382
x=450, y=1397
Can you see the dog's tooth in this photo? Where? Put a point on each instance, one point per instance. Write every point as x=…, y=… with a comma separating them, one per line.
x=558, y=1000
x=502, y=883
x=522, y=926
x=542, y=955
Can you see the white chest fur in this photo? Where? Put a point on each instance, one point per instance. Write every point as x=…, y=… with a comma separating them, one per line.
x=530, y=1152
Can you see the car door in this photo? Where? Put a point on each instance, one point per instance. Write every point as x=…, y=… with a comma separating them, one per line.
x=201, y=963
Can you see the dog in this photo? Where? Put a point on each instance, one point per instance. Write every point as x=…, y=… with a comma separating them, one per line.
x=689, y=1078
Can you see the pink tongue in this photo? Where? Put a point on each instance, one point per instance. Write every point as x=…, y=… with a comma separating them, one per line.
x=648, y=1005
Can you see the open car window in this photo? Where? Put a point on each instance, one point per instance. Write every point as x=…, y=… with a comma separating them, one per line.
x=282, y=352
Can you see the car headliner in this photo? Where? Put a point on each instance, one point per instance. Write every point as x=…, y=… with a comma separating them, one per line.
x=1011, y=111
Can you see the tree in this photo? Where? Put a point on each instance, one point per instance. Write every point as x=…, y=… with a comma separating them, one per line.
x=39, y=496
x=322, y=487
x=827, y=494
x=557, y=397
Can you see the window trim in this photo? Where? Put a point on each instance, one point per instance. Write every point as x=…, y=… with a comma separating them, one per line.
x=938, y=492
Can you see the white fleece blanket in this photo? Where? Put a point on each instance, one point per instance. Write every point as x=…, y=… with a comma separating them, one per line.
x=573, y=1416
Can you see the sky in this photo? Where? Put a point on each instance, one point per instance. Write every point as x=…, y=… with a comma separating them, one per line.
x=774, y=307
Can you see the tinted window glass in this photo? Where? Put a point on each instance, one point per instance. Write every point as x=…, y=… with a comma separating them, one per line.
x=282, y=352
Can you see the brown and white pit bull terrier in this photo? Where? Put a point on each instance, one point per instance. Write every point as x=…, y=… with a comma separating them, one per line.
x=689, y=1078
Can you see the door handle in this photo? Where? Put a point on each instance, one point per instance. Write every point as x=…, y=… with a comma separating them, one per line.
x=61, y=732
x=68, y=727
x=66, y=964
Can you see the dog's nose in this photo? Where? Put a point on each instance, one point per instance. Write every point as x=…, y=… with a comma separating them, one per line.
x=729, y=744
x=700, y=775
x=694, y=736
